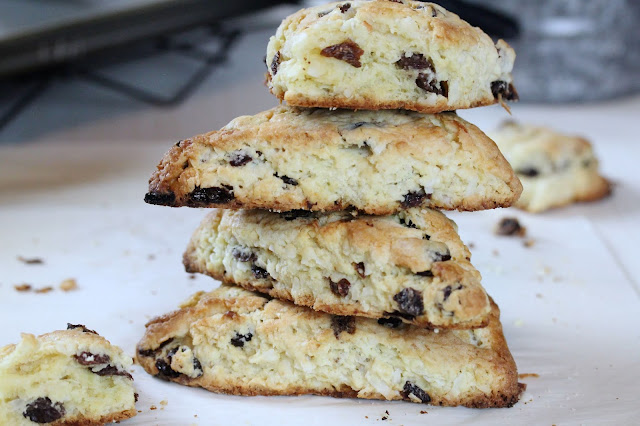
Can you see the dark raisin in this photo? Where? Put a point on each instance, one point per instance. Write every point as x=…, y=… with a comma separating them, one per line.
x=505, y=90
x=428, y=82
x=411, y=389
x=425, y=273
x=390, y=322
x=441, y=257
x=240, y=339
x=343, y=8
x=408, y=223
x=321, y=14
x=160, y=198
x=31, y=260
x=146, y=352
x=359, y=267
x=110, y=370
x=275, y=63
x=528, y=172
x=239, y=158
x=414, y=198
x=87, y=358
x=347, y=51
x=447, y=292
x=343, y=323
x=178, y=143
x=434, y=12
x=84, y=329
x=287, y=179
x=416, y=61
x=243, y=254
x=294, y=214
x=197, y=367
x=410, y=301
x=43, y=410
x=426, y=237
x=135, y=397
x=341, y=288
x=259, y=272
x=165, y=370
x=215, y=195
x=510, y=226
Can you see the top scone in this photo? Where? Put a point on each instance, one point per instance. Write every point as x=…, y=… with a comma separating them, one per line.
x=387, y=54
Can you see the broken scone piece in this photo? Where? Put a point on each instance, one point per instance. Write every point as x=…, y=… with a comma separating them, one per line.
x=67, y=377
x=235, y=341
x=378, y=162
x=411, y=266
x=555, y=169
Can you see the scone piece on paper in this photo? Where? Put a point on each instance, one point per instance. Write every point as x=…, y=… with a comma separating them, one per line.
x=235, y=341
x=411, y=266
x=555, y=169
x=386, y=54
x=67, y=377
x=378, y=162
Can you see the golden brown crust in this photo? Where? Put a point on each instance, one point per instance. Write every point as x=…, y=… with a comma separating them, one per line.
x=85, y=421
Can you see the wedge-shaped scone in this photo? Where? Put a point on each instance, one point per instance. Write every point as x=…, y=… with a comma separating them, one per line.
x=378, y=162
x=387, y=54
x=67, y=377
x=555, y=169
x=234, y=341
x=411, y=265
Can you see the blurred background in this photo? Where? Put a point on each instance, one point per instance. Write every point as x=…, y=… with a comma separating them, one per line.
x=163, y=69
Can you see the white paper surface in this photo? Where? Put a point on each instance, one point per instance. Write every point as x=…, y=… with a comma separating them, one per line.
x=568, y=312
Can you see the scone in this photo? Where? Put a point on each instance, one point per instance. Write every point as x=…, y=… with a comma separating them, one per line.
x=385, y=54
x=238, y=342
x=555, y=169
x=67, y=377
x=378, y=162
x=411, y=266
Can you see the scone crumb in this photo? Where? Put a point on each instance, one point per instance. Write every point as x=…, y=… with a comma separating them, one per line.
x=386, y=415
x=69, y=284
x=525, y=375
x=31, y=260
x=164, y=402
x=424, y=412
x=46, y=289
x=509, y=226
x=529, y=242
x=22, y=287
x=153, y=407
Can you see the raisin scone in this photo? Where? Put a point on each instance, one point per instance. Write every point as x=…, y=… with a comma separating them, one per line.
x=412, y=265
x=67, y=377
x=238, y=342
x=555, y=169
x=378, y=162
x=385, y=54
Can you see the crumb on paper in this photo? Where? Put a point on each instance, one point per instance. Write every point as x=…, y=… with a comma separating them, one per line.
x=525, y=375
x=31, y=260
x=153, y=407
x=471, y=246
x=22, y=287
x=151, y=257
x=386, y=415
x=69, y=284
x=509, y=226
x=495, y=252
x=164, y=402
x=424, y=412
x=529, y=242
x=192, y=276
x=46, y=289
x=539, y=295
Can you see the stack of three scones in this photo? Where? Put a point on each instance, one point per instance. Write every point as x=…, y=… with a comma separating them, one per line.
x=340, y=275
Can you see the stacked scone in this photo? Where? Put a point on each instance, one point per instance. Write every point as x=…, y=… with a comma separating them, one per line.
x=341, y=277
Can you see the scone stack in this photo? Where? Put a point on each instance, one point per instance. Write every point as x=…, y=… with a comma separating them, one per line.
x=341, y=277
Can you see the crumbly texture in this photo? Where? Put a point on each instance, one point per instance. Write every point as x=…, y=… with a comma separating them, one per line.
x=555, y=169
x=67, y=377
x=245, y=344
x=385, y=54
x=411, y=266
x=378, y=162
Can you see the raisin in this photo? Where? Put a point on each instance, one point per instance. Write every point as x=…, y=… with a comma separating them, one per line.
x=434, y=12
x=425, y=273
x=239, y=158
x=146, y=352
x=43, y=410
x=416, y=61
x=343, y=323
x=197, y=367
x=427, y=81
x=390, y=322
x=341, y=288
x=243, y=254
x=505, y=90
x=510, y=226
x=407, y=223
x=441, y=257
x=110, y=370
x=287, y=179
x=528, y=172
x=178, y=143
x=414, y=198
x=359, y=267
x=215, y=195
x=135, y=397
x=87, y=358
x=294, y=214
x=275, y=63
x=165, y=370
x=259, y=272
x=84, y=329
x=447, y=292
x=343, y=8
x=411, y=389
x=347, y=51
x=410, y=301
x=160, y=198
x=240, y=339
